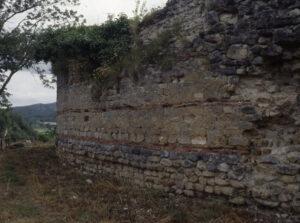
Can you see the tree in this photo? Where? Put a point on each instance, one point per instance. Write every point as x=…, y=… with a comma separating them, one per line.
x=20, y=21
x=3, y=127
x=13, y=128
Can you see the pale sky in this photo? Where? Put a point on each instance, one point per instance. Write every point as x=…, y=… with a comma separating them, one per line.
x=26, y=88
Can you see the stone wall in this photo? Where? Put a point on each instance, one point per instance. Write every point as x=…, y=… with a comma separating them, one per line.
x=225, y=120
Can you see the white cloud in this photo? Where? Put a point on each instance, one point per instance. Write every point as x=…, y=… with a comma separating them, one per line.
x=26, y=88
x=96, y=11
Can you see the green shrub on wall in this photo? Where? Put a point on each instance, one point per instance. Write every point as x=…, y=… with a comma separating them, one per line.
x=111, y=49
x=156, y=52
x=100, y=45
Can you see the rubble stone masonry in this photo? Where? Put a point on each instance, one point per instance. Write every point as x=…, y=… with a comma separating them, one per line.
x=225, y=120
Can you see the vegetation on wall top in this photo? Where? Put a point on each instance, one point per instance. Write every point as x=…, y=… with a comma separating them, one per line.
x=100, y=45
x=109, y=50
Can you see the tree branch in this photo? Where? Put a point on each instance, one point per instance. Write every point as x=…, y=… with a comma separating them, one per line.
x=18, y=12
x=3, y=87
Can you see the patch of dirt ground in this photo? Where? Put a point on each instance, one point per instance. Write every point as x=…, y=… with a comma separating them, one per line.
x=35, y=188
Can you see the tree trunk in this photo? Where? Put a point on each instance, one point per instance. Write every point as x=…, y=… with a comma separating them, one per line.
x=3, y=87
x=2, y=144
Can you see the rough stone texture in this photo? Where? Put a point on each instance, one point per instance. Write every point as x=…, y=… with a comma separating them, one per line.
x=225, y=120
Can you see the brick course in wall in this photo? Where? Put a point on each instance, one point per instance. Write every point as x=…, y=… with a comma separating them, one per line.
x=225, y=120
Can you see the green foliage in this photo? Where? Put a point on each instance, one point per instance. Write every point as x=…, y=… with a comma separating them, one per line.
x=139, y=13
x=156, y=52
x=47, y=136
x=37, y=14
x=37, y=113
x=16, y=127
x=100, y=45
x=12, y=48
x=4, y=102
x=19, y=129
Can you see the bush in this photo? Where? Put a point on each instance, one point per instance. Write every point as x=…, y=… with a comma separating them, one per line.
x=17, y=128
x=100, y=45
x=47, y=136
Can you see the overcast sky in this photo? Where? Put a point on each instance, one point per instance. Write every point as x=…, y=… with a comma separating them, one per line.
x=26, y=88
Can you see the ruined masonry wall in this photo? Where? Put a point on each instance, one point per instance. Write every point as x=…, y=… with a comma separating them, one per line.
x=225, y=120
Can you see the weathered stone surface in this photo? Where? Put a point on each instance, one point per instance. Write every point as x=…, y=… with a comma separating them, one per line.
x=166, y=162
x=237, y=201
x=221, y=182
x=285, y=197
x=209, y=189
x=223, y=167
x=237, y=184
x=228, y=18
x=224, y=120
x=268, y=203
x=199, y=141
x=208, y=173
x=288, y=169
x=189, y=193
x=269, y=159
x=238, y=52
x=294, y=157
x=201, y=165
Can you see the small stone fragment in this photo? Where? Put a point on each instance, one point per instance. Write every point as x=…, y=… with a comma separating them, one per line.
x=238, y=52
x=238, y=200
x=166, y=162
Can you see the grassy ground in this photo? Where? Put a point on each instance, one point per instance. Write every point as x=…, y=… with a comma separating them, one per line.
x=34, y=188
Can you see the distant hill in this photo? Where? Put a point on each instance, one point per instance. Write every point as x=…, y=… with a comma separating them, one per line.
x=37, y=112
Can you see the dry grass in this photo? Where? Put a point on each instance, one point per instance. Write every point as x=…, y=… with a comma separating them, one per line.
x=35, y=188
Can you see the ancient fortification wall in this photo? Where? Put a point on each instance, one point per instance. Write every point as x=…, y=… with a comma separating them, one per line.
x=225, y=120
